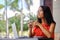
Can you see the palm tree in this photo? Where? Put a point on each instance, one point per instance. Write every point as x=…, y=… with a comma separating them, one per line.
x=29, y=2
x=14, y=6
x=5, y=12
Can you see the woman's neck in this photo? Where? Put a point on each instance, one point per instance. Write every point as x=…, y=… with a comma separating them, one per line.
x=44, y=21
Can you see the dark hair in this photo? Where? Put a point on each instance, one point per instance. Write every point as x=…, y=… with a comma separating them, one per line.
x=47, y=14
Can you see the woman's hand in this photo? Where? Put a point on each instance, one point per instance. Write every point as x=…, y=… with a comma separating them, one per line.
x=30, y=24
x=37, y=23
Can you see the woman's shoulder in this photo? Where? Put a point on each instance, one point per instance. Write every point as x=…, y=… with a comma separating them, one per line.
x=53, y=24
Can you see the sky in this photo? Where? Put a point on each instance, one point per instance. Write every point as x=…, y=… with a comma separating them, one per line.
x=33, y=8
x=1, y=1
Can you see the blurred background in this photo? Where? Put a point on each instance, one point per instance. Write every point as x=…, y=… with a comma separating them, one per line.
x=15, y=14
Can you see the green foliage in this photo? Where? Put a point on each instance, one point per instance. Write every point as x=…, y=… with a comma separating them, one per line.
x=2, y=25
x=28, y=2
x=25, y=27
x=1, y=6
x=14, y=5
x=16, y=20
x=32, y=17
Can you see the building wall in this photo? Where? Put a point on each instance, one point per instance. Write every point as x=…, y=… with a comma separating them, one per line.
x=49, y=3
x=56, y=15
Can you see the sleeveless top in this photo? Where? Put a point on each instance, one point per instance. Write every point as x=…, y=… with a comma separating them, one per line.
x=38, y=32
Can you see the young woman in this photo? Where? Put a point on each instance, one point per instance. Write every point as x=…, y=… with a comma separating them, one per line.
x=44, y=26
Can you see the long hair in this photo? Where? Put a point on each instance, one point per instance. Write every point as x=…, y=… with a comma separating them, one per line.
x=47, y=15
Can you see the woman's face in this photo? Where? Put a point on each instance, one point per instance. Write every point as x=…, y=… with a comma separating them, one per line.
x=40, y=13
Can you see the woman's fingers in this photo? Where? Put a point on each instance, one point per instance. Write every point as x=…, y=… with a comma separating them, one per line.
x=30, y=24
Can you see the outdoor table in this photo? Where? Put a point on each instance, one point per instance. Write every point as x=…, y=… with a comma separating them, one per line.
x=27, y=38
